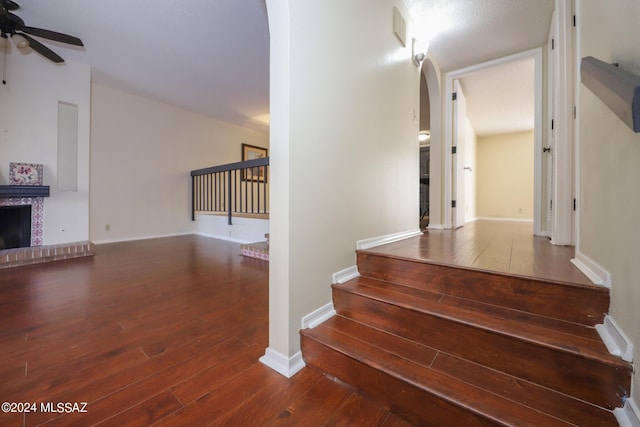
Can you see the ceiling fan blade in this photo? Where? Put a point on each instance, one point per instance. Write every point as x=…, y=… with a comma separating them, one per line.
x=52, y=35
x=42, y=49
x=10, y=5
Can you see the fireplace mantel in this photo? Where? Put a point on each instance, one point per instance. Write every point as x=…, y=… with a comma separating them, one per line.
x=8, y=191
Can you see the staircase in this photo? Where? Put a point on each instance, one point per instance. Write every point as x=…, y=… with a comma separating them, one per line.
x=444, y=345
x=259, y=250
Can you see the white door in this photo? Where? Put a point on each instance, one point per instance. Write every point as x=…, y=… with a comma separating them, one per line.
x=549, y=146
x=458, y=155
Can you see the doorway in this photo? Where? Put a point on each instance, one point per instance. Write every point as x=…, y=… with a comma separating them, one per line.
x=424, y=186
x=454, y=170
x=430, y=143
x=424, y=139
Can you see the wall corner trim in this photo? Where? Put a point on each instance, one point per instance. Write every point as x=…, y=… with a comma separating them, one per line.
x=389, y=238
x=318, y=316
x=614, y=338
x=435, y=227
x=628, y=415
x=286, y=366
x=594, y=271
x=345, y=275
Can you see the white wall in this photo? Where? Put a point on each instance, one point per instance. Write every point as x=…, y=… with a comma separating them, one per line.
x=505, y=176
x=29, y=134
x=142, y=152
x=609, y=202
x=243, y=230
x=343, y=147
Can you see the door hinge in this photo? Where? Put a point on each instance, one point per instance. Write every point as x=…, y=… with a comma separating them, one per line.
x=454, y=150
x=553, y=44
x=574, y=20
x=453, y=203
x=454, y=96
x=574, y=204
x=552, y=124
x=575, y=112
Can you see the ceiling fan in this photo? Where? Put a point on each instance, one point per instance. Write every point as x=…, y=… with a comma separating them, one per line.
x=11, y=24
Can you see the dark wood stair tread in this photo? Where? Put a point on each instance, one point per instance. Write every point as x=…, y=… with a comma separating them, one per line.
x=437, y=384
x=575, y=302
x=553, y=333
x=506, y=386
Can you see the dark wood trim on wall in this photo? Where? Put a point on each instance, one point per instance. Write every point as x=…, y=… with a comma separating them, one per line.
x=7, y=191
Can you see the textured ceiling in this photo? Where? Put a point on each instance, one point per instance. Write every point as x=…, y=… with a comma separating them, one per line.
x=466, y=32
x=460, y=33
x=212, y=57
x=501, y=99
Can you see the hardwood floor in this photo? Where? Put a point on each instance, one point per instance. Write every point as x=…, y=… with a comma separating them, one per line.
x=501, y=246
x=156, y=332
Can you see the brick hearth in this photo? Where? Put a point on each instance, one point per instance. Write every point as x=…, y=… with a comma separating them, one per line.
x=39, y=254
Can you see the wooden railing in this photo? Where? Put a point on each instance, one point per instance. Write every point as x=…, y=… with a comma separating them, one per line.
x=240, y=188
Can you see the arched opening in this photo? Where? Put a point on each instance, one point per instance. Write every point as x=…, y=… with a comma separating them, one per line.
x=424, y=138
x=430, y=121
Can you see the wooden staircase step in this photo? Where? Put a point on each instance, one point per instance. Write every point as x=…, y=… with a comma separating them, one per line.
x=258, y=250
x=578, y=303
x=525, y=393
x=556, y=354
x=519, y=324
x=418, y=393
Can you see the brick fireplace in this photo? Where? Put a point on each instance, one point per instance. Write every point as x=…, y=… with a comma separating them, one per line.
x=37, y=217
x=25, y=189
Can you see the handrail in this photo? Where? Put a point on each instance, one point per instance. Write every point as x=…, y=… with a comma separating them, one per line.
x=262, y=161
x=240, y=187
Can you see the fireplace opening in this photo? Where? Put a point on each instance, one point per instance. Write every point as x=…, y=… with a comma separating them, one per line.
x=15, y=226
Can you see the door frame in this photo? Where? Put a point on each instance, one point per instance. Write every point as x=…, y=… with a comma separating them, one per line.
x=458, y=162
x=537, y=56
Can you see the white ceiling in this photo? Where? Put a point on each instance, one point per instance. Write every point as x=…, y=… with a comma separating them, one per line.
x=501, y=99
x=461, y=33
x=212, y=57
x=207, y=56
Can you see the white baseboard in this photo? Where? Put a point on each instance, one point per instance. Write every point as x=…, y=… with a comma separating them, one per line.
x=287, y=366
x=491, y=218
x=318, y=316
x=389, y=238
x=345, y=275
x=435, y=227
x=133, y=239
x=628, y=415
x=615, y=339
x=225, y=238
x=595, y=272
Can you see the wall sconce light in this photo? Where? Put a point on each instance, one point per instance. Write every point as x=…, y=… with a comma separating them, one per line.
x=424, y=136
x=416, y=57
